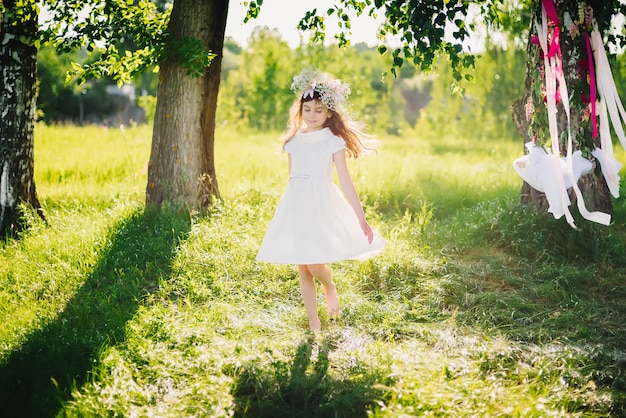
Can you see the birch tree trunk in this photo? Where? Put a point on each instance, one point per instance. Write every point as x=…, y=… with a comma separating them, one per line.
x=182, y=163
x=593, y=186
x=18, y=77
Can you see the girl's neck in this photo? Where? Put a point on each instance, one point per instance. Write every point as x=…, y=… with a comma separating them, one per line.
x=306, y=130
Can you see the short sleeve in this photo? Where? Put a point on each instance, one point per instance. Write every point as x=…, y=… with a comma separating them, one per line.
x=336, y=144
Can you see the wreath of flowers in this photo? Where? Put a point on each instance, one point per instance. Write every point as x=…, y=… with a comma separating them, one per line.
x=333, y=92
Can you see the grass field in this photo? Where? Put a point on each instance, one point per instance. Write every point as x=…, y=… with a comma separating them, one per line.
x=476, y=308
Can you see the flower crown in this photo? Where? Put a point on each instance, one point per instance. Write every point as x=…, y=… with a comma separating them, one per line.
x=333, y=93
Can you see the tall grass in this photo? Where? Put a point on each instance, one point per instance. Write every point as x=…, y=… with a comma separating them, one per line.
x=476, y=307
x=95, y=164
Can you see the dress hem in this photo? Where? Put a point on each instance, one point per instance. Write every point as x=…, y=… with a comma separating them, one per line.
x=359, y=257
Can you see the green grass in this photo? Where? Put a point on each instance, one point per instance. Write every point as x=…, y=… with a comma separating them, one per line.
x=476, y=307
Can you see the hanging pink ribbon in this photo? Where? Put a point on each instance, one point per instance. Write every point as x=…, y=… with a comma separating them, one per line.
x=556, y=86
x=555, y=179
x=592, y=86
x=551, y=13
x=554, y=49
x=554, y=46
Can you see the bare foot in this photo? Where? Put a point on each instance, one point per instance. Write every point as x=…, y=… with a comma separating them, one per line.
x=315, y=325
x=332, y=301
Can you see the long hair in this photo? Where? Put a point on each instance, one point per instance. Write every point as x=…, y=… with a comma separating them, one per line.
x=340, y=124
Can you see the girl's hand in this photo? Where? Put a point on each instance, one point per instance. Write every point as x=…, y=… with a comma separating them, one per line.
x=367, y=230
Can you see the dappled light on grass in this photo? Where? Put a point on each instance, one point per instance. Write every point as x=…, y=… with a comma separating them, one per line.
x=475, y=308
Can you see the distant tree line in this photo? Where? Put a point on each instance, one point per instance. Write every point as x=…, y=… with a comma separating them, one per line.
x=255, y=89
x=91, y=102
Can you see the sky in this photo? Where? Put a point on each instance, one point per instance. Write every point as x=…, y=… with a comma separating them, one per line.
x=284, y=15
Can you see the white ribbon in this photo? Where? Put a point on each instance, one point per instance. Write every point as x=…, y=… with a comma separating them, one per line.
x=606, y=85
x=609, y=165
x=609, y=101
x=533, y=167
x=553, y=73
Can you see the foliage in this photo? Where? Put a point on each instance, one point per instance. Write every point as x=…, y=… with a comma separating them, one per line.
x=498, y=84
x=485, y=107
x=55, y=100
x=511, y=18
x=74, y=24
x=421, y=26
x=255, y=93
x=258, y=96
x=618, y=67
x=148, y=104
x=79, y=104
x=129, y=36
x=578, y=21
x=503, y=311
x=578, y=84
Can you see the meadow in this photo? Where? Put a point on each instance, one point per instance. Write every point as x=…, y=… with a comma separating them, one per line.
x=477, y=307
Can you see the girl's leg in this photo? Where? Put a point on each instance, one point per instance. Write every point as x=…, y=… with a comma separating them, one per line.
x=307, y=288
x=324, y=275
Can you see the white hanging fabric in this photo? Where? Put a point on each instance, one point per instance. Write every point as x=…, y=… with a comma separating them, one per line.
x=609, y=101
x=545, y=169
x=540, y=167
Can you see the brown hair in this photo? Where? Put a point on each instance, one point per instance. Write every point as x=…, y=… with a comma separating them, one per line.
x=339, y=122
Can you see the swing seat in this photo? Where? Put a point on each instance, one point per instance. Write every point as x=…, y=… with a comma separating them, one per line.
x=543, y=171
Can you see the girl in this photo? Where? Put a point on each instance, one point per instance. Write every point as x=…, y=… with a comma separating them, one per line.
x=314, y=223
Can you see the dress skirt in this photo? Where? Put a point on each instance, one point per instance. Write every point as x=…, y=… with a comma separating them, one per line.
x=314, y=223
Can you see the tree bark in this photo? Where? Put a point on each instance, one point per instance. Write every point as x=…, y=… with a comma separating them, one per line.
x=182, y=163
x=18, y=75
x=593, y=186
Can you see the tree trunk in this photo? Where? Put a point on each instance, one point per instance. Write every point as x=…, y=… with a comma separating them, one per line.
x=182, y=164
x=18, y=76
x=592, y=186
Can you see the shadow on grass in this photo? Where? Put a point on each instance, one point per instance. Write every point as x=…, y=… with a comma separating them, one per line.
x=542, y=282
x=38, y=378
x=304, y=387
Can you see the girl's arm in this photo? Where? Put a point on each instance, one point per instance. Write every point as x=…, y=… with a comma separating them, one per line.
x=347, y=186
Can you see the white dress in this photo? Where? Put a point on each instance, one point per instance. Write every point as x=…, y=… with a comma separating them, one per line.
x=314, y=223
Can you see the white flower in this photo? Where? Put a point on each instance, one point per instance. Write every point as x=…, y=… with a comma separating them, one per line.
x=333, y=93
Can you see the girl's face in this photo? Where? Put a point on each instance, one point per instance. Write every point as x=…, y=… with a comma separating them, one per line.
x=314, y=114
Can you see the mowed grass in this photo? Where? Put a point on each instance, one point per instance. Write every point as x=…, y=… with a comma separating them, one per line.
x=476, y=308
